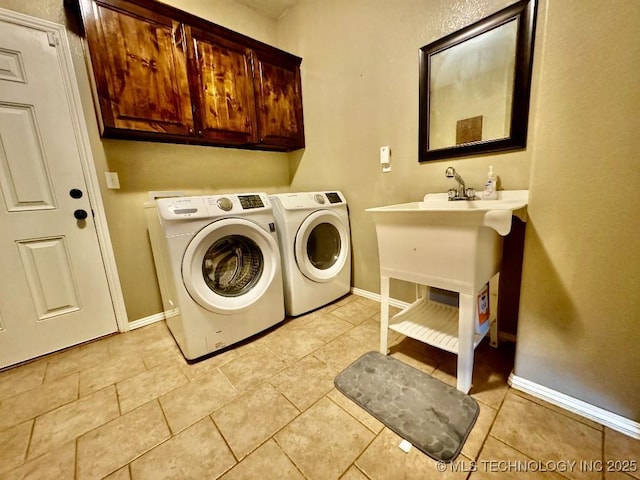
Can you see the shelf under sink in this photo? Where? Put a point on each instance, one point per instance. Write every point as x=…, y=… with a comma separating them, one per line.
x=433, y=323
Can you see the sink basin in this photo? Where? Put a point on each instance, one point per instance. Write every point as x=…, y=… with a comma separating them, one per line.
x=455, y=245
x=436, y=209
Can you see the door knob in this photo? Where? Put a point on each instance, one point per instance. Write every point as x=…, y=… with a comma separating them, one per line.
x=75, y=193
x=80, y=214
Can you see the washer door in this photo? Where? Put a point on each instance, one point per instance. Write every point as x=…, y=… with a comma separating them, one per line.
x=322, y=246
x=229, y=264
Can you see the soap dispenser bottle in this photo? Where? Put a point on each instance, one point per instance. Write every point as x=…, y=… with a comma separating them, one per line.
x=490, y=191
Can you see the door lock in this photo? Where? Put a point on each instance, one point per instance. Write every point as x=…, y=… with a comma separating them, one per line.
x=80, y=214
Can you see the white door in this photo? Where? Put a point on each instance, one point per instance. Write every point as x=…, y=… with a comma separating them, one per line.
x=53, y=286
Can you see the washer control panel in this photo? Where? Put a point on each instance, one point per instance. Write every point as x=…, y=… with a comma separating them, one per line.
x=178, y=208
x=250, y=201
x=211, y=206
x=224, y=203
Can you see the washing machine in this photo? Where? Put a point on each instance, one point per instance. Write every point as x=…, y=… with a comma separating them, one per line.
x=218, y=263
x=315, y=244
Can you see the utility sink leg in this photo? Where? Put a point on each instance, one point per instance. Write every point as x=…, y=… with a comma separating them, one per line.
x=466, y=330
x=384, y=314
x=494, y=285
x=493, y=333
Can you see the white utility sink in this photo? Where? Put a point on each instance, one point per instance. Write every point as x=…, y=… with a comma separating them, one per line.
x=453, y=245
x=436, y=209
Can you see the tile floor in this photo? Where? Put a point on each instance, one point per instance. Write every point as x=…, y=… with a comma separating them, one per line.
x=129, y=407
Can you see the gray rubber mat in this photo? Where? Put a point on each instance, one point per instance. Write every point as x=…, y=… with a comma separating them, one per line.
x=435, y=417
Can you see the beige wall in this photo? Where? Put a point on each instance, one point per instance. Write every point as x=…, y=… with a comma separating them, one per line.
x=579, y=327
x=360, y=92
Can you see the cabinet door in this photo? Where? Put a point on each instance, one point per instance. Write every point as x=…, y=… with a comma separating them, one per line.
x=223, y=89
x=139, y=65
x=279, y=101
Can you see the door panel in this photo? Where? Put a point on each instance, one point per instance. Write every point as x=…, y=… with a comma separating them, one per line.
x=11, y=67
x=53, y=290
x=47, y=265
x=24, y=177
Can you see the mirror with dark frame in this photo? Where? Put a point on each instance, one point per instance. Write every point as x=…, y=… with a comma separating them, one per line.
x=475, y=86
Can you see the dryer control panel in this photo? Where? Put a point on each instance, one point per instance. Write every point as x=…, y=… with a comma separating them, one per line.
x=334, y=197
x=311, y=200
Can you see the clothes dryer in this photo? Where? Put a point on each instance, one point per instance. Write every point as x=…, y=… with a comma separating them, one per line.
x=315, y=244
x=219, y=268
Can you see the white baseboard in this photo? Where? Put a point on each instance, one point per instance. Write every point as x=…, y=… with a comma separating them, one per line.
x=143, y=322
x=376, y=296
x=584, y=409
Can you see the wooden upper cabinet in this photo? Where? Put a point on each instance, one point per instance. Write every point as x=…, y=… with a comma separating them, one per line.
x=279, y=101
x=139, y=63
x=165, y=75
x=223, y=88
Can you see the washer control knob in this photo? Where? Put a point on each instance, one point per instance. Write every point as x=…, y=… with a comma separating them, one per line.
x=225, y=204
x=319, y=198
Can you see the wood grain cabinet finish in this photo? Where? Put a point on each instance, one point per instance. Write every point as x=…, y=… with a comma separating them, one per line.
x=140, y=70
x=223, y=89
x=164, y=75
x=279, y=101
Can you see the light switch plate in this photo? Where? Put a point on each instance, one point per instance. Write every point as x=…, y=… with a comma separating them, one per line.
x=113, y=181
x=385, y=158
x=385, y=154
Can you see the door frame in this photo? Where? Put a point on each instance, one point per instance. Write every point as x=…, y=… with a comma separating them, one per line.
x=90, y=175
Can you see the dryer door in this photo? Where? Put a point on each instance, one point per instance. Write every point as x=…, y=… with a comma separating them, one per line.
x=229, y=265
x=322, y=246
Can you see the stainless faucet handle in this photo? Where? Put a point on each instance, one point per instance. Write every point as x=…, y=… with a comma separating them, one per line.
x=471, y=193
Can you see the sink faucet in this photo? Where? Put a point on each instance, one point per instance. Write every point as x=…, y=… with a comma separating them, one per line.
x=462, y=192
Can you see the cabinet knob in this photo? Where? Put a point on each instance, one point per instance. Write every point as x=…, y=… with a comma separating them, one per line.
x=200, y=133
